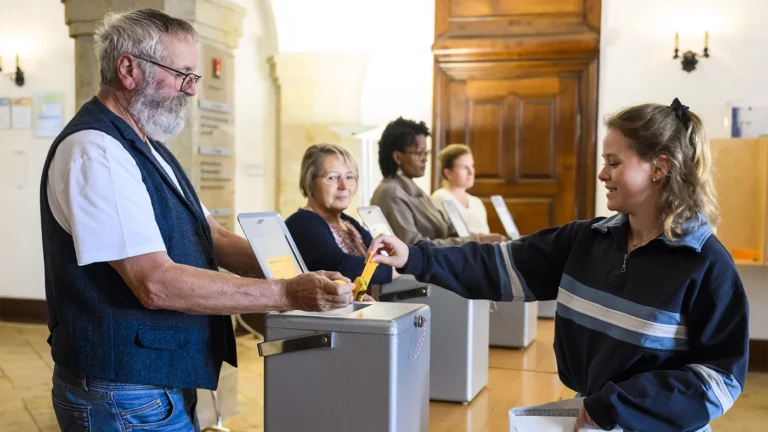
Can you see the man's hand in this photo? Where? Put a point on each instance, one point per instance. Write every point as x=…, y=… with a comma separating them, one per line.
x=318, y=292
x=585, y=421
x=393, y=246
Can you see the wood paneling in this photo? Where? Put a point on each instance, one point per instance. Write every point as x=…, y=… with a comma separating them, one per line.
x=741, y=182
x=23, y=310
x=758, y=355
x=483, y=8
x=517, y=82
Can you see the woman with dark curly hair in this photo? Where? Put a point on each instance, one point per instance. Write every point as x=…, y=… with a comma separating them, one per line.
x=409, y=210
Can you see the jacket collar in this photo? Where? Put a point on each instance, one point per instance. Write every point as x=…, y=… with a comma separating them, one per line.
x=409, y=186
x=697, y=230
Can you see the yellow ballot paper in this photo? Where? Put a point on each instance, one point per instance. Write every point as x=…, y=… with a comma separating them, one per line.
x=361, y=283
x=379, y=229
x=282, y=267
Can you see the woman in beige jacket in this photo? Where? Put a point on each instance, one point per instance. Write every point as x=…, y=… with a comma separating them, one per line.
x=409, y=210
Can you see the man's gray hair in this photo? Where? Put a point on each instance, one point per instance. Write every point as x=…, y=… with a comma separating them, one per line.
x=138, y=32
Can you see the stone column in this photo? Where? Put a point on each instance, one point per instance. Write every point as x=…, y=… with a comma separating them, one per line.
x=316, y=91
x=206, y=146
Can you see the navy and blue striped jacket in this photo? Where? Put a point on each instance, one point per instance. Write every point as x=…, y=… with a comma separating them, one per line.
x=656, y=340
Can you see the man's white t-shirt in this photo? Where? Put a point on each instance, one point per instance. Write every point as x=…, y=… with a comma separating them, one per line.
x=96, y=194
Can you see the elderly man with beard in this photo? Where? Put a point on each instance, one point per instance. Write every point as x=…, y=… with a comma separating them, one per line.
x=138, y=309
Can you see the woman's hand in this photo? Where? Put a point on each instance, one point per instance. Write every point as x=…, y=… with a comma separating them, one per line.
x=585, y=421
x=393, y=246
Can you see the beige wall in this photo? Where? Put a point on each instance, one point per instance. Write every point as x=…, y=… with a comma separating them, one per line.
x=396, y=36
x=636, y=66
x=636, y=48
x=256, y=111
x=47, y=57
x=398, y=81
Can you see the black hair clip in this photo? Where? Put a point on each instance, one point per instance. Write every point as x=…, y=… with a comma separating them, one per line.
x=680, y=111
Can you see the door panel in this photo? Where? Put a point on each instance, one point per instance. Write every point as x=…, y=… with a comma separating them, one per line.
x=534, y=154
x=523, y=138
x=482, y=8
x=517, y=82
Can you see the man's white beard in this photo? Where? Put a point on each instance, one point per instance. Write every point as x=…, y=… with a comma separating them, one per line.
x=158, y=117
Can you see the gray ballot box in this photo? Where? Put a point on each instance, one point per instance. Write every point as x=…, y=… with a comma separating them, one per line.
x=459, y=352
x=363, y=367
x=513, y=324
x=510, y=324
x=547, y=309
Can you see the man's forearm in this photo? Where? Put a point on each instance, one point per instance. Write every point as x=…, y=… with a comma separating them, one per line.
x=197, y=291
x=234, y=254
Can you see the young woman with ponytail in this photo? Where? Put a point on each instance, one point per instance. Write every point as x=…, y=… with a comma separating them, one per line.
x=652, y=318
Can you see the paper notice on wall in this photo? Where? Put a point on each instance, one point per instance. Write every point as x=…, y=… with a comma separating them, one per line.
x=749, y=121
x=21, y=113
x=282, y=267
x=48, y=113
x=5, y=113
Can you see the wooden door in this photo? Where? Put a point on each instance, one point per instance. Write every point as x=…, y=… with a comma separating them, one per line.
x=516, y=81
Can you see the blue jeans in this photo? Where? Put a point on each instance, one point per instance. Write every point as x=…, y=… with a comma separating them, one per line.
x=86, y=404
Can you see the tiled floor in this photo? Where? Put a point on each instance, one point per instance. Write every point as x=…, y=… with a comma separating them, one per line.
x=516, y=378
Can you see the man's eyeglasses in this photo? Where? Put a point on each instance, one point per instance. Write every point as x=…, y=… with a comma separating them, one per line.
x=188, y=78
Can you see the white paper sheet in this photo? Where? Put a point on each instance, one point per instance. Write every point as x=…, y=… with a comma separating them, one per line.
x=49, y=111
x=21, y=113
x=557, y=416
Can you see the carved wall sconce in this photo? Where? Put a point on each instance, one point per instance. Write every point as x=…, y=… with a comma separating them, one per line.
x=18, y=76
x=689, y=57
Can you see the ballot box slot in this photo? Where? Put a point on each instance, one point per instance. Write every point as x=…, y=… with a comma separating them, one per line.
x=422, y=291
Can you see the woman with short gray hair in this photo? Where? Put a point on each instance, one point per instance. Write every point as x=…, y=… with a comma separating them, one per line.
x=326, y=237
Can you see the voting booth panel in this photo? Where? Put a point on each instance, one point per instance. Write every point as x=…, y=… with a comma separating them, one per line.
x=546, y=309
x=459, y=351
x=272, y=244
x=363, y=367
x=511, y=325
x=457, y=220
x=507, y=221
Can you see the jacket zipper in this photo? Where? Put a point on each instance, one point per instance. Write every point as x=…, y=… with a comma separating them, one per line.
x=624, y=264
